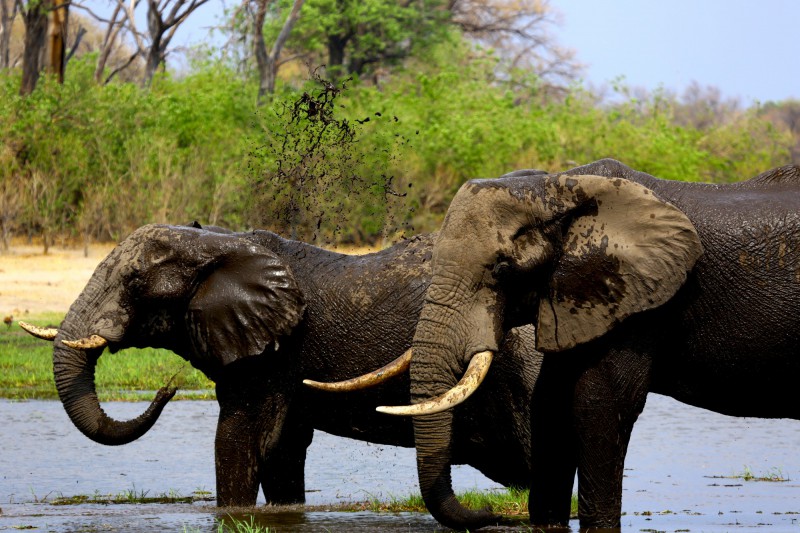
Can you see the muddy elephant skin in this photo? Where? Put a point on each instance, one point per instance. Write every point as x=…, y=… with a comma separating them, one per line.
x=257, y=314
x=635, y=285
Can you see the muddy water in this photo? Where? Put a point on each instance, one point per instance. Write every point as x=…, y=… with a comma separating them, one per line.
x=679, y=473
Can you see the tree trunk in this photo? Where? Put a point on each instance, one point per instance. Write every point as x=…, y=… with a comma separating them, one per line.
x=268, y=63
x=58, y=39
x=336, y=46
x=155, y=54
x=35, y=19
x=8, y=13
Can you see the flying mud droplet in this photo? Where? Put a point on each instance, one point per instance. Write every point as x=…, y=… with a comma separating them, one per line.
x=321, y=177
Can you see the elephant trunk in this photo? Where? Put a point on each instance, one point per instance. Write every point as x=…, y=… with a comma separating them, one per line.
x=73, y=370
x=431, y=375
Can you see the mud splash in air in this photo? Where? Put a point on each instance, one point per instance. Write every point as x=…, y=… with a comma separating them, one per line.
x=324, y=176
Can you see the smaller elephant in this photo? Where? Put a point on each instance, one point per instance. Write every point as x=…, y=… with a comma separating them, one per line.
x=257, y=313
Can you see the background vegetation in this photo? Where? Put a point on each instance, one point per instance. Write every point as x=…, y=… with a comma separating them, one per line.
x=94, y=157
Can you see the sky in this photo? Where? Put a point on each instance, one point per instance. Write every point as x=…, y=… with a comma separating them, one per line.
x=749, y=49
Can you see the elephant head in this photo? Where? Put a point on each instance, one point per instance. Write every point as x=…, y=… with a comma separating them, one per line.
x=210, y=296
x=573, y=255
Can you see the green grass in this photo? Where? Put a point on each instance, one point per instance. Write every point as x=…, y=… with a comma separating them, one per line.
x=509, y=502
x=229, y=524
x=772, y=475
x=130, y=497
x=26, y=369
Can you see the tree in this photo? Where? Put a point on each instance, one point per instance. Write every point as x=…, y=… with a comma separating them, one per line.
x=786, y=116
x=34, y=15
x=268, y=62
x=705, y=107
x=357, y=37
x=163, y=19
x=517, y=32
x=8, y=14
x=58, y=38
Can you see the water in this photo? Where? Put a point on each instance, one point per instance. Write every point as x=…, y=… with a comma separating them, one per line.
x=673, y=478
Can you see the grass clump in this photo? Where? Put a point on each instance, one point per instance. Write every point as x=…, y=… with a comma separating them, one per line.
x=774, y=475
x=229, y=524
x=509, y=502
x=26, y=369
x=131, y=497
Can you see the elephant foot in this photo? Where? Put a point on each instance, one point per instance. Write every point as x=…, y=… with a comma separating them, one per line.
x=453, y=515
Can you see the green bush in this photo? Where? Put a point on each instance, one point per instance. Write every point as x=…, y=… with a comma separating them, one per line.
x=95, y=162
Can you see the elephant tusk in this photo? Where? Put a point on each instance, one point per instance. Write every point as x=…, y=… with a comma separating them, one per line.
x=469, y=383
x=87, y=343
x=398, y=366
x=47, y=334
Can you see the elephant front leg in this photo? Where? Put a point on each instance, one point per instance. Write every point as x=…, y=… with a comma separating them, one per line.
x=283, y=466
x=608, y=400
x=236, y=460
x=553, y=444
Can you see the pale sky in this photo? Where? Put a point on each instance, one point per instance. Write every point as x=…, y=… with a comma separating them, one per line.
x=747, y=48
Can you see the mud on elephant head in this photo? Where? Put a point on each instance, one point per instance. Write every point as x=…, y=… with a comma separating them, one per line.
x=209, y=296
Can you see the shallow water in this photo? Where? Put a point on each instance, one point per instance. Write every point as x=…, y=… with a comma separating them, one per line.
x=676, y=456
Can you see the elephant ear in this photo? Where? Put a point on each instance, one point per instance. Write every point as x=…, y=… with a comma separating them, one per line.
x=245, y=303
x=624, y=251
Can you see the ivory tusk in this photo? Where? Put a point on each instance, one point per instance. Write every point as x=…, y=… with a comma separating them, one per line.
x=469, y=383
x=398, y=366
x=87, y=343
x=47, y=334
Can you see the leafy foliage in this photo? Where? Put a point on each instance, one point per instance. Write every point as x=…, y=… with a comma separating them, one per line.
x=358, y=163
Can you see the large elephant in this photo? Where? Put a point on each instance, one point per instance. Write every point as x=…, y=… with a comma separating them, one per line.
x=634, y=284
x=256, y=313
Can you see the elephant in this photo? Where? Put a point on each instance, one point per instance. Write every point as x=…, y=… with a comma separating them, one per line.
x=256, y=312
x=634, y=284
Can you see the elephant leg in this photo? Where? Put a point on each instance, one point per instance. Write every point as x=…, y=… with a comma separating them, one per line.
x=609, y=397
x=252, y=414
x=283, y=466
x=553, y=444
x=236, y=459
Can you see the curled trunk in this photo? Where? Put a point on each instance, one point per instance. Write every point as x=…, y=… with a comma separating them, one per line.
x=73, y=370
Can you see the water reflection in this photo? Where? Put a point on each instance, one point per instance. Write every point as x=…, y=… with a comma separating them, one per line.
x=680, y=473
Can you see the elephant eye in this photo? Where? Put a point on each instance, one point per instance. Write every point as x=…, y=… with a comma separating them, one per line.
x=501, y=269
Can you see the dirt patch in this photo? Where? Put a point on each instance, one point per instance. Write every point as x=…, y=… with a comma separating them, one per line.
x=32, y=283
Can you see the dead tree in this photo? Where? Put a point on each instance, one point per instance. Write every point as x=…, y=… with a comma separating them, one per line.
x=163, y=19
